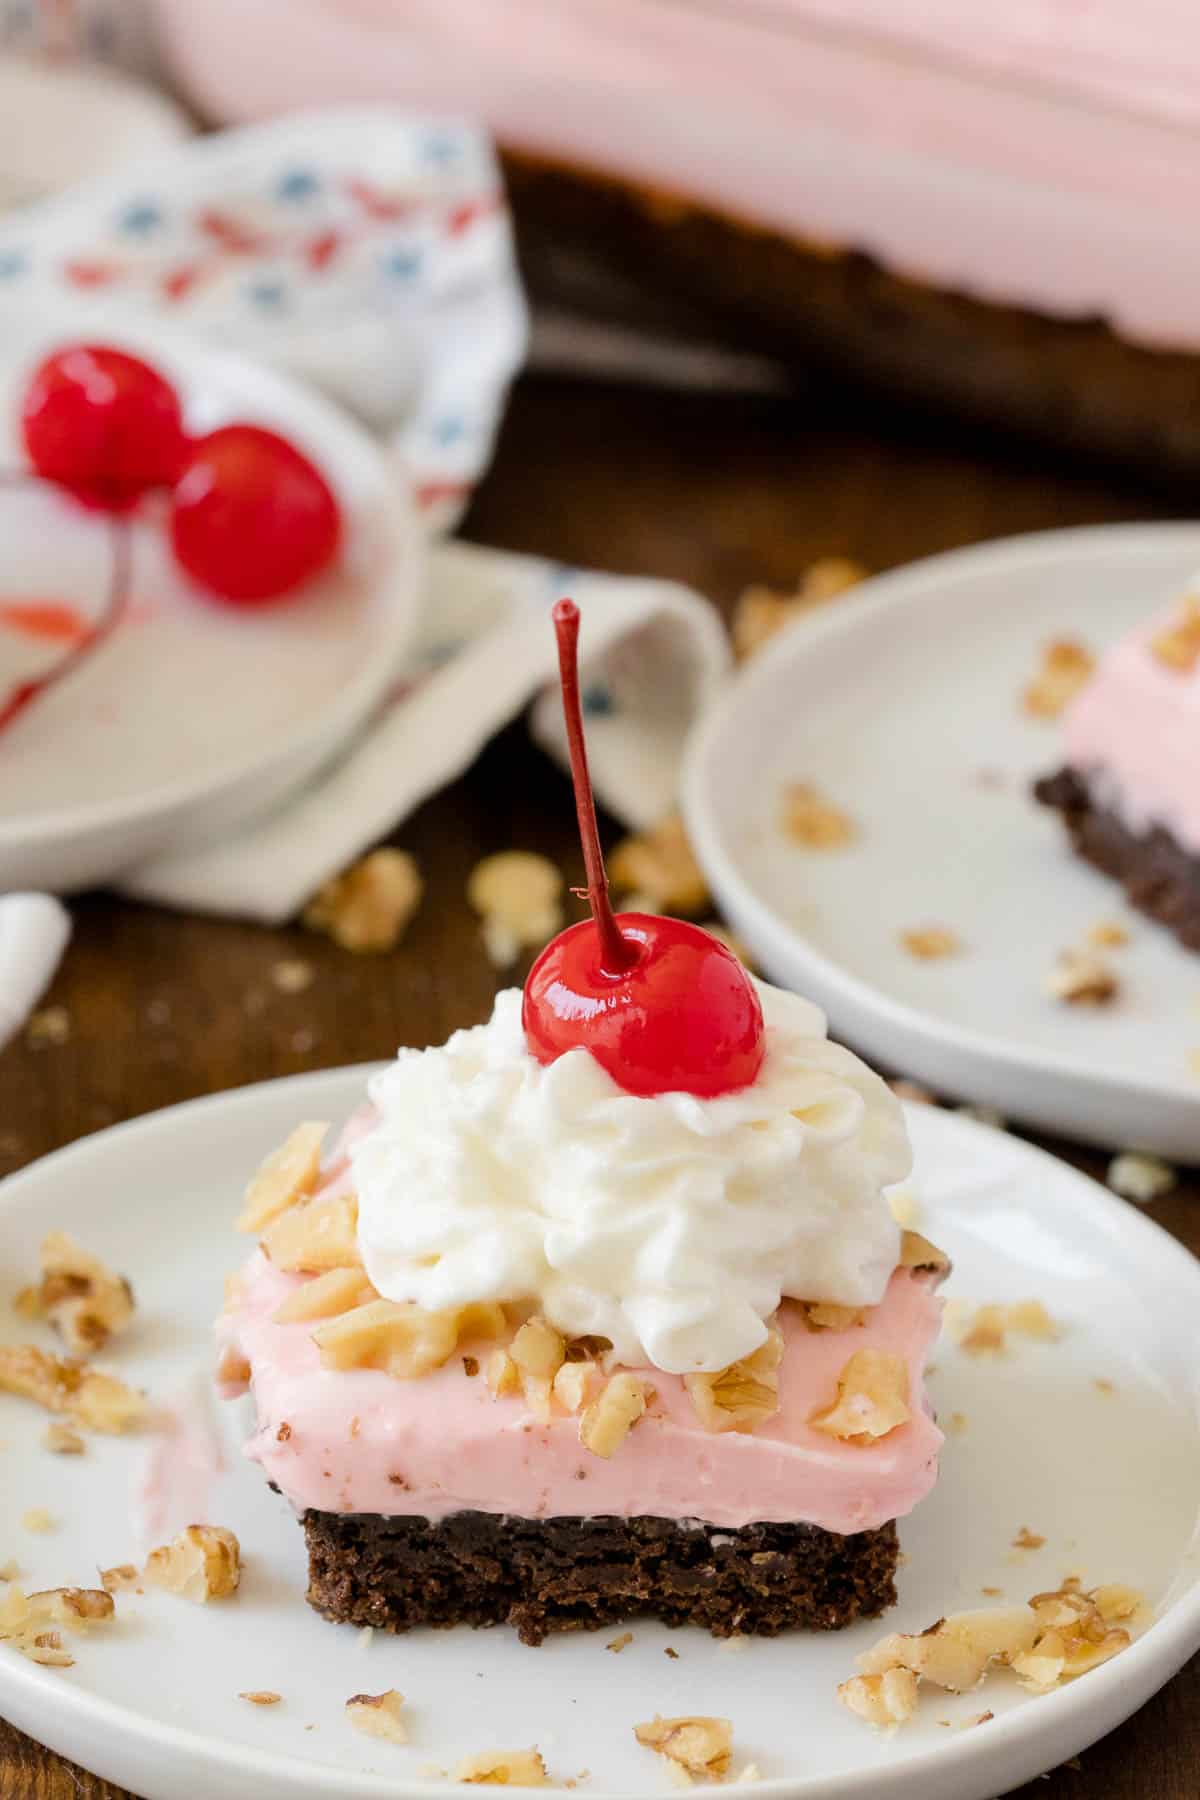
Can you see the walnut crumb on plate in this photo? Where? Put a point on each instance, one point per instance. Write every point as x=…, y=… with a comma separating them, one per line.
x=931, y=943
x=1081, y=978
x=38, y=1520
x=379, y=1715
x=261, y=1697
x=697, y=1744
x=1140, y=1178
x=202, y=1563
x=812, y=822
x=660, y=866
x=1065, y=667
x=503, y=1768
x=78, y=1295
x=369, y=906
x=1028, y=1540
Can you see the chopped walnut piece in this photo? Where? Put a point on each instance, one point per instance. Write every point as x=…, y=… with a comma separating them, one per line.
x=916, y=1252
x=325, y=1296
x=574, y=1385
x=1031, y=1319
x=261, y=1696
x=1065, y=667
x=503, y=1768
x=84, y=1301
x=1177, y=645
x=661, y=865
x=889, y=1698
x=538, y=1349
x=288, y=1175
x=518, y=895
x=823, y=1315
x=1028, y=1540
x=761, y=611
x=955, y=1653
x=320, y=1235
x=986, y=1329
x=607, y=1422
x=398, y=1337
x=1081, y=978
x=29, y=1622
x=119, y=1579
x=502, y=1374
x=9, y=1570
x=378, y=1716
x=702, y=1746
x=812, y=822
x=38, y=1520
x=743, y=1395
x=97, y=1402
x=1107, y=934
x=232, y=1372
x=1140, y=1178
x=370, y=905
x=931, y=943
x=872, y=1399
x=1114, y=1602
x=202, y=1563
x=61, y=1440
x=617, y=1644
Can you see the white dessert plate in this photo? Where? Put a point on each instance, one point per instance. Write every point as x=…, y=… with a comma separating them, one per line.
x=901, y=705
x=1110, y=1479
x=192, y=715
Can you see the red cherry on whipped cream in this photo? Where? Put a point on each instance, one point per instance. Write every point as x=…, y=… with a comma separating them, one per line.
x=251, y=517
x=661, y=1005
x=102, y=423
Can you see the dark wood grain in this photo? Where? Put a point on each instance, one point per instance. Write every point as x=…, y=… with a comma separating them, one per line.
x=716, y=491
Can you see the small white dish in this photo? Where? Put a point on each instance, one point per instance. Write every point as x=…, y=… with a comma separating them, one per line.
x=902, y=706
x=153, y=1703
x=193, y=715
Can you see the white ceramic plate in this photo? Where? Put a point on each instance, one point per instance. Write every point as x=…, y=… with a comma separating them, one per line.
x=154, y=1704
x=193, y=715
x=901, y=705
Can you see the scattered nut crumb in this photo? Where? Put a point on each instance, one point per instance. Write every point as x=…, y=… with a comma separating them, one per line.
x=1107, y=934
x=813, y=822
x=700, y=1745
x=261, y=1697
x=503, y=1768
x=1065, y=667
x=37, y=1519
x=292, y=975
x=931, y=943
x=985, y=1331
x=62, y=1440
x=617, y=1644
x=202, y=1563
x=371, y=904
x=50, y=1025
x=884, y=1700
x=9, y=1570
x=1081, y=978
x=1028, y=1540
x=119, y=1579
x=872, y=1399
x=1177, y=645
x=956, y=1424
x=760, y=611
x=992, y=1593
x=1141, y=1178
x=518, y=895
x=1104, y=1384
x=80, y=1297
x=918, y=1254
x=378, y=1716
x=672, y=1653
x=660, y=865
x=982, y=1718
x=33, y=1623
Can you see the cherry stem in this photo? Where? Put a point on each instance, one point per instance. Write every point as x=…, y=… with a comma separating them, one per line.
x=617, y=952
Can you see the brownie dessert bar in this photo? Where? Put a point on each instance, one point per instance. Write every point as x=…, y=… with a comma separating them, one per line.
x=540, y=1576
x=630, y=255
x=1158, y=875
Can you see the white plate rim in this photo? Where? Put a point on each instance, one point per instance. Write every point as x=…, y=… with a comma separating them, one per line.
x=1125, y=1682
x=881, y=595
x=317, y=417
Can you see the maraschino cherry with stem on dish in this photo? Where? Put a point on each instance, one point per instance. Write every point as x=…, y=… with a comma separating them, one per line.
x=104, y=424
x=662, y=1005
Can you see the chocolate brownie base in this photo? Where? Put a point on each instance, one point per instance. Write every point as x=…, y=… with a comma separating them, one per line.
x=576, y=1574
x=629, y=255
x=1159, y=876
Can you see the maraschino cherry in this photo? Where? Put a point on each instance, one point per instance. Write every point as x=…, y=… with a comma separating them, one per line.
x=661, y=1005
x=104, y=424
x=251, y=517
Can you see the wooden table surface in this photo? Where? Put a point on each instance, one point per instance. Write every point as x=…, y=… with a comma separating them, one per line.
x=717, y=491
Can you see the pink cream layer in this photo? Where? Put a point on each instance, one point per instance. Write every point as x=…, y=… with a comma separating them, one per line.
x=1043, y=152
x=1135, y=732
x=363, y=1442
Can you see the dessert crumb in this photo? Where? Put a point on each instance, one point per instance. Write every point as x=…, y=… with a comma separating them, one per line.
x=671, y=1652
x=201, y=1563
x=370, y=905
x=992, y=1593
x=261, y=1697
x=697, y=1744
x=119, y=1579
x=810, y=821
x=617, y=1644
x=379, y=1716
x=1081, y=978
x=38, y=1520
x=1027, y=1540
x=292, y=975
x=762, y=611
x=518, y=896
x=503, y=1768
x=957, y=1423
x=1177, y=645
x=9, y=1570
x=1065, y=667
x=78, y=1295
x=660, y=867
x=61, y=1440
x=49, y=1025
x=1107, y=934
x=1140, y=1178
x=931, y=943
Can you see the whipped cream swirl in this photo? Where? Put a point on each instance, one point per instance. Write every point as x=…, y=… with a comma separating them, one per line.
x=671, y=1225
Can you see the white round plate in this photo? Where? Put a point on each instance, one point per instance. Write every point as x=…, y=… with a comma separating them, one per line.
x=902, y=706
x=193, y=715
x=1111, y=1480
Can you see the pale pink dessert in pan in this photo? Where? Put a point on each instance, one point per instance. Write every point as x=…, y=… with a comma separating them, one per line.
x=1129, y=790
x=600, y=1308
